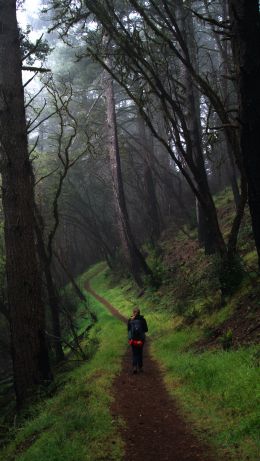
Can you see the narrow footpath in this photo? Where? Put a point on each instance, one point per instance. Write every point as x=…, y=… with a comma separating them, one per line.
x=154, y=428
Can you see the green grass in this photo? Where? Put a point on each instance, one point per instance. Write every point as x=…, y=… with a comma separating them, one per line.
x=75, y=424
x=123, y=297
x=218, y=391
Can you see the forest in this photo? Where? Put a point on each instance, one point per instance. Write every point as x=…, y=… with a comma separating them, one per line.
x=130, y=179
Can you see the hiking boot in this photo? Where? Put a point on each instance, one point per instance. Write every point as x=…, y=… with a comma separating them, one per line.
x=134, y=370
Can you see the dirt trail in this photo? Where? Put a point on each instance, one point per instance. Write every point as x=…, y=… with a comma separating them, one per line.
x=154, y=430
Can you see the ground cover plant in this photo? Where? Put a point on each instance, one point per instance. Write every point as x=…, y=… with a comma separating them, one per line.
x=204, y=344
x=216, y=389
x=75, y=423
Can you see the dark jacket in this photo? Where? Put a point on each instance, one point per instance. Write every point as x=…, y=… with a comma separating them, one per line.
x=143, y=321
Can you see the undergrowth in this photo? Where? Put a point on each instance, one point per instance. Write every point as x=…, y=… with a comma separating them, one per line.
x=75, y=423
x=217, y=388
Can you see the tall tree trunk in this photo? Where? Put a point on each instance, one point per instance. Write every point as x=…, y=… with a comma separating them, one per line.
x=192, y=113
x=151, y=203
x=133, y=256
x=245, y=26
x=224, y=54
x=27, y=319
x=231, y=166
x=171, y=183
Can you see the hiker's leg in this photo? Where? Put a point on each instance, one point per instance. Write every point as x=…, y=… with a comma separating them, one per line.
x=135, y=356
x=140, y=357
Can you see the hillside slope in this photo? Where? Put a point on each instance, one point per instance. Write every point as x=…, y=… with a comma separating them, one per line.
x=207, y=346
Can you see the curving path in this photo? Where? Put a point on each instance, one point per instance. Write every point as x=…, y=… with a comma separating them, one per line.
x=154, y=428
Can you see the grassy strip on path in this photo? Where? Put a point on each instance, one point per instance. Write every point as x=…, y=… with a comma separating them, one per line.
x=218, y=391
x=75, y=424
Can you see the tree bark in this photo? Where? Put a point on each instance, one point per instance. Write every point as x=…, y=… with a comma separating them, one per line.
x=132, y=255
x=27, y=319
x=151, y=203
x=245, y=27
x=192, y=113
x=224, y=52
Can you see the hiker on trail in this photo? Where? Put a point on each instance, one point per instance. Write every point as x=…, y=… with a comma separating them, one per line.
x=137, y=327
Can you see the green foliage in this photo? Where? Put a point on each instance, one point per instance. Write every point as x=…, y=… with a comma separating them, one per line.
x=227, y=340
x=33, y=53
x=75, y=424
x=216, y=390
x=155, y=262
x=224, y=198
x=191, y=316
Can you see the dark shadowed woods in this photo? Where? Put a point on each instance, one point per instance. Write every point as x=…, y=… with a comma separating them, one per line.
x=129, y=135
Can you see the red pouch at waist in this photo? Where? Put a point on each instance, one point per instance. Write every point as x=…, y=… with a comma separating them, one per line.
x=136, y=342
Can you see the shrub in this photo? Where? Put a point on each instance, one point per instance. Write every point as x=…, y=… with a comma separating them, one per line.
x=227, y=340
x=191, y=316
x=156, y=265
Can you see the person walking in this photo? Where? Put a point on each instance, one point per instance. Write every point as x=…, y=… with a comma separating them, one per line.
x=137, y=327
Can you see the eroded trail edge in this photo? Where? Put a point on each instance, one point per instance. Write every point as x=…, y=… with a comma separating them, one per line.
x=154, y=429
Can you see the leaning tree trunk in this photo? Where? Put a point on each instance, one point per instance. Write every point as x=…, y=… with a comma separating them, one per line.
x=30, y=358
x=77, y=290
x=53, y=298
x=132, y=255
x=245, y=27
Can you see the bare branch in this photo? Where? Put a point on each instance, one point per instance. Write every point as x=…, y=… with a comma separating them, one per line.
x=210, y=20
x=34, y=97
x=30, y=79
x=34, y=146
x=46, y=176
x=41, y=121
x=42, y=70
x=31, y=122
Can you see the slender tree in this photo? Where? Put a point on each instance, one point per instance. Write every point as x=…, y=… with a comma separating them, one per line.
x=151, y=203
x=133, y=256
x=193, y=119
x=53, y=297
